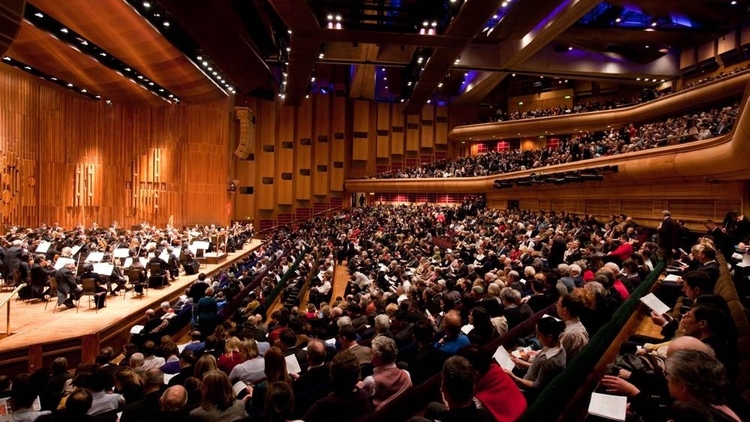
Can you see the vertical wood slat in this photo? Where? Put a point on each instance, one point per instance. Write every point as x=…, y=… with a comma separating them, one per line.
x=303, y=153
x=397, y=129
x=428, y=126
x=412, y=133
x=285, y=187
x=266, y=198
x=322, y=166
x=338, y=141
x=384, y=129
x=361, y=135
x=441, y=126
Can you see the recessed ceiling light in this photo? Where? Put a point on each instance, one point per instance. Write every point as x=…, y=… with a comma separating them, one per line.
x=98, y=96
x=385, y=79
x=146, y=4
x=289, y=31
x=440, y=85
x=103, y=54
x=338, y=18
x=166, y=23
x=64, y=30
x=429, y=101
x=83, y=90
x=330, y=17
x=70, y=85
x=320, y=56
x=210, y=68
x=6, y=58
x=38, y=15
x=127, y=69
x=199, y=58
x=27, y=67
x=618, y=20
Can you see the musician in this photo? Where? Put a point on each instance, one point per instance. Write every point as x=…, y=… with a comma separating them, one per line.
x=12, y=260
x=157, y=266
x=136, y=265
x=41, y=271
x=68, y=289
x=88, y=272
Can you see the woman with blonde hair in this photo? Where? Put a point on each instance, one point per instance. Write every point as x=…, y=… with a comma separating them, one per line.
x=218, y=401
x=232, y=356
x=251, y=370
x=275, y=369
x=129, y=384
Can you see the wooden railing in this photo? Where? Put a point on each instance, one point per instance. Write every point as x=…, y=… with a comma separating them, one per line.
x=6, y=303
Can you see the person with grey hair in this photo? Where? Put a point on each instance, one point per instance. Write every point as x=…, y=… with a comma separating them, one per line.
x=515, y=311
x=173, y=404
x=382, y=325
x=575, y=274
x=387, y=381
x=563, y=270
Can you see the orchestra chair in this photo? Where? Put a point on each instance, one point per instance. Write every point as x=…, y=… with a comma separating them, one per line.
x=89, y=289
x=157, y=277
x=134, y=277
x=53, y=295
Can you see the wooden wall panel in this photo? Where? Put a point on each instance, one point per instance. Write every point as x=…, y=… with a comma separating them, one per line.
x=267, y=156
x=441, y=126
x=244, y=172
x=398, y=128
x=383, y=130
x=361, y=135
x=321, y=141
x=80, y=161
x=338, y=142
x=286, y=149
x=428, y=126
x=412, y=133
x=303, y=152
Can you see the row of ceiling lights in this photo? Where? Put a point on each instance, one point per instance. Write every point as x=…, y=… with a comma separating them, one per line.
x=47, y=77
x=160, y=20
x=78, y=42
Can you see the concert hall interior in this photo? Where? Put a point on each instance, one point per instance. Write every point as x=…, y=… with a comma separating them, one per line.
x=295, y=151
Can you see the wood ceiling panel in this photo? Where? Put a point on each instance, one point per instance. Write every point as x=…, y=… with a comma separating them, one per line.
x=50, y=55
x=114, y=26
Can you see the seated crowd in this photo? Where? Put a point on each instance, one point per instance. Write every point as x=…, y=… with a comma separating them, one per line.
x=671, y=131
x=429, y=287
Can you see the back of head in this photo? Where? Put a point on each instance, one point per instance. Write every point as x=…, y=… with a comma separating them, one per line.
x=348, y=333
x=458, y=380
x=477, y=356
x=78, y=403
x=344, y=372
x=22, y=391
x=174, y=399
x=279, y=402
x=216, y=391
x=288, y=338
x=699, y=280
x=452, y=323
x=385, y=348
x=275, y=365
x=316, y=352
x=702, y=377
x=154, y=377
x=551, y=327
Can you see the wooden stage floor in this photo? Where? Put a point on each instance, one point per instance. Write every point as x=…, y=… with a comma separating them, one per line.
x=30, y=324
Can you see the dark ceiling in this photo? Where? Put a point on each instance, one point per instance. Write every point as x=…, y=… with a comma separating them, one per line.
x=395, y=50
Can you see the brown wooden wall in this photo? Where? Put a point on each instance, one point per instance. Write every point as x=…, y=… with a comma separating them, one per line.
x=67, y=159
x=304, y=154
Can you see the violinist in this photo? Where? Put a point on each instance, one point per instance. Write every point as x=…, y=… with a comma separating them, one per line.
x=41, y=271
x=68, y=289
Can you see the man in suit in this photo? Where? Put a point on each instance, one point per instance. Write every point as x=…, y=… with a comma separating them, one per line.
x=41, y=271
x=348, y=338
x=289, y=345
x=315, y=383
x=12, y=259
x=68, y=289
x=147, y=407
x=668, y=232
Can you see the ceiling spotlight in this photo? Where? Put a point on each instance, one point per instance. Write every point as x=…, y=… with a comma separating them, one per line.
x=127, y=69
x=199, y=58
x=420, y=60
x=166, y=23
x=84, y=42
x=312, y=79
x=513, y=75
x=150, y=84
x=382, y=69
x=38, y=15
x=83, y=90
x=307, y=96
x=637, y=79
x=161, y=89
x=289, y=31
x=288, y=49
x=385, y=78
x=108, y=102
x=494, y=16
x=402, y=100
x=570, y=48
x=338, y=18
x=648, y=46
x=70, y=85
x=205, y=63
x=320, y=56
x=140, y=76
x=653, y=24
x=429, y=101
x=170, y=95
x=434, y=24
x=146, y=4
x=440, y=85
x=618, y=20
x=64, y=30
x=662, y=80
x=53, y=78
x=425, y=23
x=103, y=54
x=386, y=87
x=330, y=17
x=408, y=83
x=283, y=96
x=98, y=97
x=210, y=68
x=6, y=58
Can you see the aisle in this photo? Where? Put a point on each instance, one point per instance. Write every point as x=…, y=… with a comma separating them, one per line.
x=340, y=280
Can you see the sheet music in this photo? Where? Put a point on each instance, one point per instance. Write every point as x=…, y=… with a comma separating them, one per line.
x=104, y=268
x=672, y=277
x=121, y=253
x=238, y=387
x=136, y=329
x=466, y=329
x=95, y=257
x=200, y=244
x=292, y=364
x=608, y=406
x=42, y=247
x=143, y=261
x=176, y=252
x=61, y=262
x=164, y=256
x=75, y=249
x=502, y=357
x=655, y=304
x=128, y=262
x=168, y=377
x=331, y=342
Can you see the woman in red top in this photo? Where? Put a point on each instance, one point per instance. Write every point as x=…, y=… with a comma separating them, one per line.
x=231, y=356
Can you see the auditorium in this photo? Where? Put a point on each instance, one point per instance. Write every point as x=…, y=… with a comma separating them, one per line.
x=374, y=210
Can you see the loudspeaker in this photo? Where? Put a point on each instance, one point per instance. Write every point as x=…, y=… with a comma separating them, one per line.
x=246, y=138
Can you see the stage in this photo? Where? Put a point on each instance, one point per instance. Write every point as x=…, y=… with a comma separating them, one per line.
x=38, y=335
